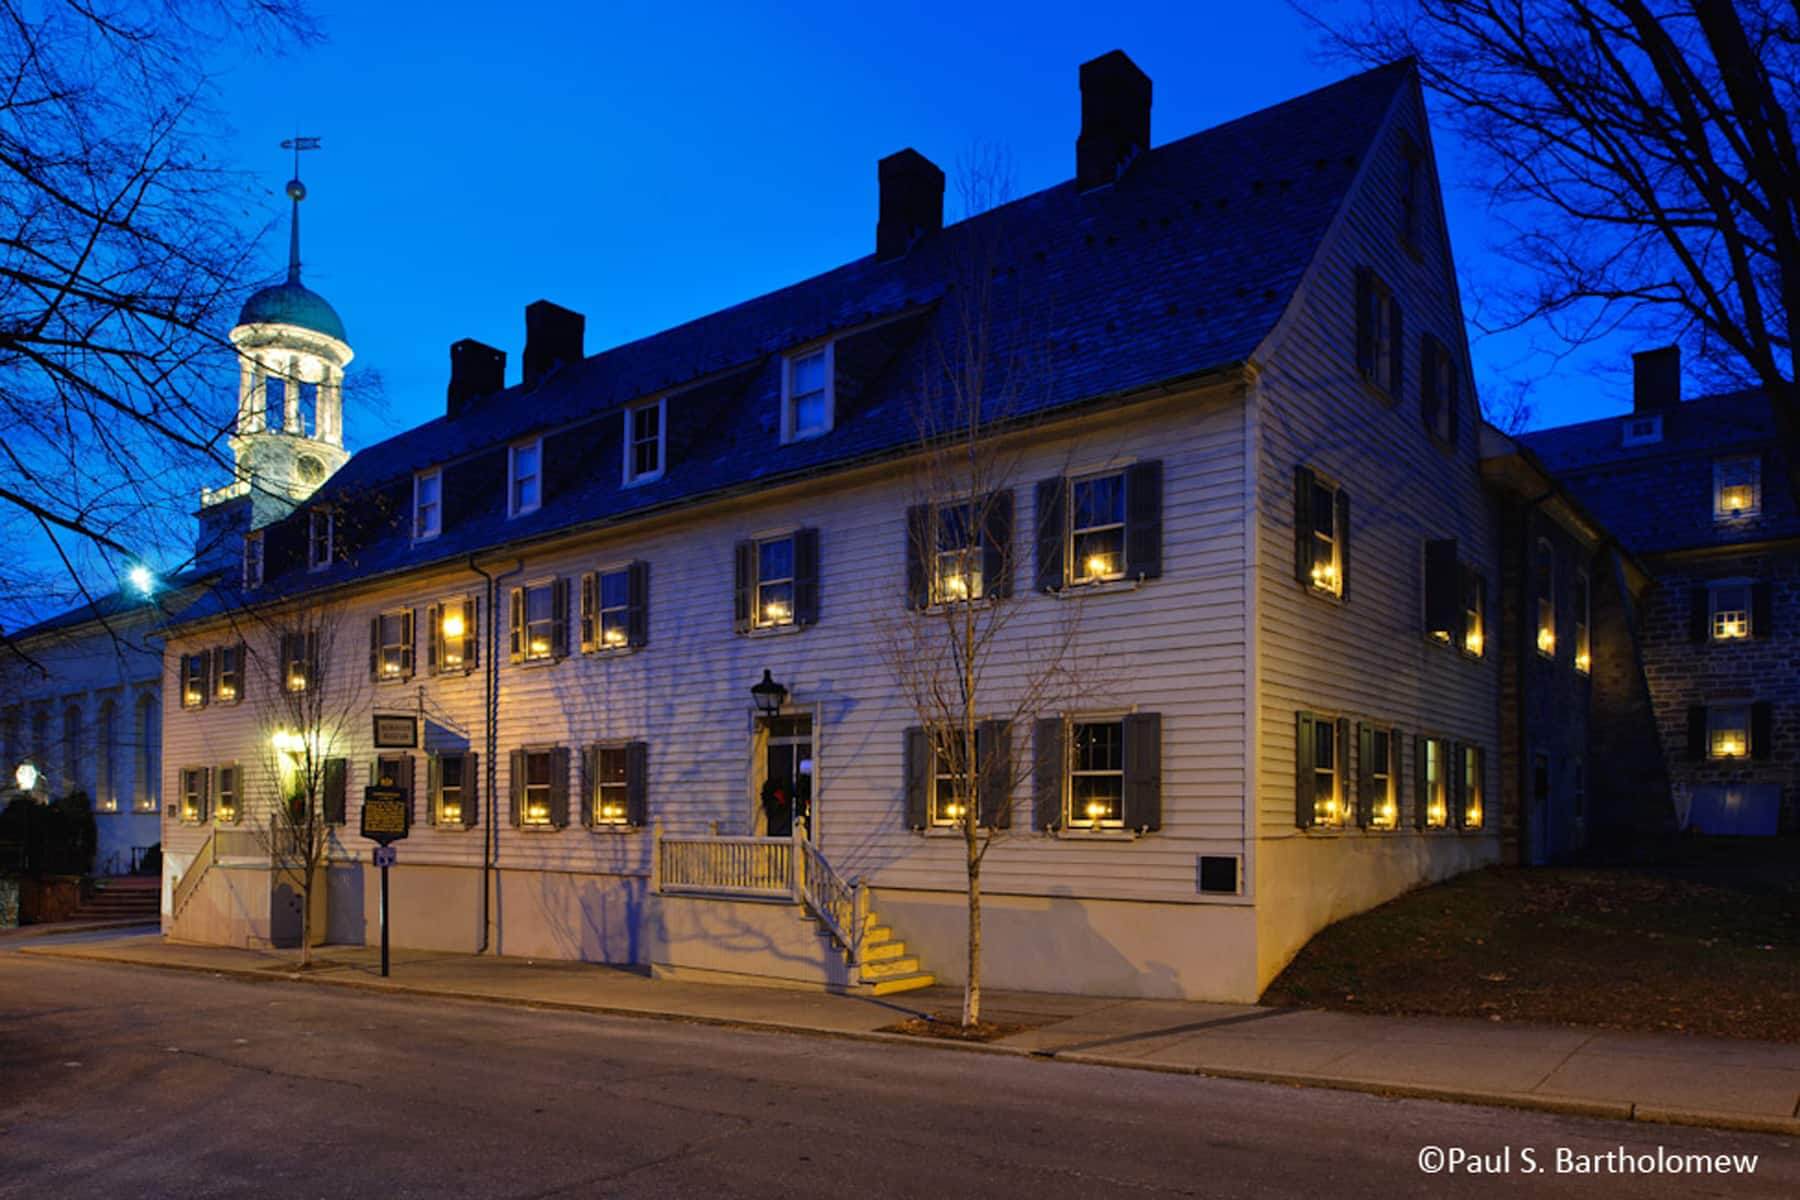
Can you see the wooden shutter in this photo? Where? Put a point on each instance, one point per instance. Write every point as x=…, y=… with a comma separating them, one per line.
x=471, y=811
x=1365, y=773
x=206, y=672
x=1052, y=532
x=1143, y=772
x=559, y=619
x=637, y=604
x=1305, y=733
x=406, y=642
x=1443, y=605
x=1396, y=777
x=374, y=649
x=637, y=783
x=744, y=584
x=919, y=544
x=1453, y=781
x=1049, y=757
x=993, y=774
x=434, y=636
x=559, y=787
x=311, y=645
x=434, y=787
x=1696, y=732
x=1421, y=780
x=1452, y=396
x=1396, y=347
x=1365, y=322
x=516, y=636
x=590, y=783
x=203, y=777
x=336, y=778
x=1762, y=729
x=590, y=612
x=1429, y=399
x=515, y=786
x=1303, y=525
x=1760, y=611
x=1143, y=519
x=1700, y=614
x=471, y=646
x=996, y=545
x=1343, y=543
x=806, y=576
x=405, y=782
x=916, y=763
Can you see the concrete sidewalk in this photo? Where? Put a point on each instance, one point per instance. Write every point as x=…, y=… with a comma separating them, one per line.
x=1665, y=1078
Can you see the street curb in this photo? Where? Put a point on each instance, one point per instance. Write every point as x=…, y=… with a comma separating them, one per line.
x=24, y=932
x=1528, y=1101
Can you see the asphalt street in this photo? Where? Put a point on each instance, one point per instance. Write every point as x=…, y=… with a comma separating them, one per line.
x=123, y=1081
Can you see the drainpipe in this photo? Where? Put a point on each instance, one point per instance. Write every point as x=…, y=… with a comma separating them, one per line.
x=490, y=835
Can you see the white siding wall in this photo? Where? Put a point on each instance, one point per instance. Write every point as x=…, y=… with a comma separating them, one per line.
x=1176, y=646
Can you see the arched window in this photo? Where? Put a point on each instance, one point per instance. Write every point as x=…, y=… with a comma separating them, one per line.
x=71, y=748
x=106, y=790
x=148, y=783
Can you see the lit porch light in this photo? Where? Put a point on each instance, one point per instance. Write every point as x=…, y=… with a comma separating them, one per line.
x=26, y=776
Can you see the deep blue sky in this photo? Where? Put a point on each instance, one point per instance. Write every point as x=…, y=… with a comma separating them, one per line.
x=646, y=167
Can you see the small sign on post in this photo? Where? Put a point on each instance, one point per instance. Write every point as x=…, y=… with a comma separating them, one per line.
x=386, y=819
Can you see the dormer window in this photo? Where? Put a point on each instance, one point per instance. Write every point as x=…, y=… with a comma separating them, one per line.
x=321, y=541
x=1642, y=431
x=644, y=441
x=428, y=506
x=525, y=477
x=1737, y=488
x=253, y=560
x=806, y=394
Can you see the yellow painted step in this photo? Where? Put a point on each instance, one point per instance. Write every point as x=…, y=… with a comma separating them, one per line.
x=888, y=968
x=905, y=983
x=883, y=951
x=876, y=935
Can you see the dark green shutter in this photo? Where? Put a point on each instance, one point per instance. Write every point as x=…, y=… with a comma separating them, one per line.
x=637, y=783
x=1143, y=519
x=919, y=544
x=806, y=576
x=1143, y=772
x=1760, y=614
x=1052, y=532
x=471, y=634
x=590, y=612
x=1762, y=729
x=434, y=787
x=1396, y=776
x=1700, y=614
x=1397, y=347
x=559, y=787
x=1429, y=399
x=637, y=600
x=335, y=789
x=1365, y=773
x=559, y=619
x=993, y=774
x=1696, y=732
x=1049, y=757
x=408, y=625
x=1454, y=788
x=590, y=783
x=434, y=634
x=743, y=584
x=1303, y=525
x=1305, y=733
x=1443, y=604
x=515, y=804
x=374, y=649
x=1365, y=322
x=516, y=640
x=1421, y=780
x=405, y=781
x=916, y=763
x=996, y=546
x=471, y=790
x=1343, y=543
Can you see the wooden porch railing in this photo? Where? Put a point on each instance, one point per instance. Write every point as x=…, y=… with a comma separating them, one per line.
x=189, y=883
x=822, y=890
x=773, y=868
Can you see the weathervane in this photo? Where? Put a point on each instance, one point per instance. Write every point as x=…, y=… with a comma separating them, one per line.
x=296, y=192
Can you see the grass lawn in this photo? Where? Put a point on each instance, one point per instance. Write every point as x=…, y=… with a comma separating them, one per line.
x=1704, y=938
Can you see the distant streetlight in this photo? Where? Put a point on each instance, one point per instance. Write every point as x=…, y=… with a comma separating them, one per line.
x=26, y=777
x=768, y=695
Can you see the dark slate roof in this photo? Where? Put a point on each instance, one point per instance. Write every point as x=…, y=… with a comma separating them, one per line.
x=1658, y=497
x=173, y=594
x=1182, y=267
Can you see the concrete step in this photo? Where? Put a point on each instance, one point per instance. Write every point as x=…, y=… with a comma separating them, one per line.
x=900, y=983
x=883, y=951
x=888, y=968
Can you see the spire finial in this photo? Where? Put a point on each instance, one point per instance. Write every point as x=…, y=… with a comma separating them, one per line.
x=296, y=192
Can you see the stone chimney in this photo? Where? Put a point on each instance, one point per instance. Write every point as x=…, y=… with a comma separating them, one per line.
x=1656, y=379
x=912, y=202
x=552, y=338
x=1115, y=119
x=476, y=370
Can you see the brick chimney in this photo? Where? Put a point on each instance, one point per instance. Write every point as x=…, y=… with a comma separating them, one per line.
x=912, y=202
x=1656, y=379
x=1115, y=119
x=476, y=370
x=552, y=337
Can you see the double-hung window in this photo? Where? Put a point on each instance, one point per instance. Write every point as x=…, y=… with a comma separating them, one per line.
x=1440, y=389
x=957, y=559
x=452, y=797
x=299, y=660
x=1730, y=611
x=1097, y=775
x=1737, y=488
x=1321, y=534
x=773, y=603
x=1091, y=528
x=806, y=394
x=225, y=808
x=321, y=542
x=606, y=615
x=1320, y=743
x=1097, y=528
x=1379, y=785
x=1434, y=782
x=1728, y=731
x=1543, y=577
x=1584, y=616
x=193, y=795
x=645, y=441
x=228, y=673
x=1474, y=612
x=194, y=682
x=613, y=789
x=525, y=477
x=1473, y=785
x=428, y=504
x=1378, y=333
x=950, y=788
x=391, y=645
x=540, y=621
x=540, y=788
x=453, y=636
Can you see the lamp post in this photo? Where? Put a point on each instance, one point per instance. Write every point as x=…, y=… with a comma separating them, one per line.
x=25, y=777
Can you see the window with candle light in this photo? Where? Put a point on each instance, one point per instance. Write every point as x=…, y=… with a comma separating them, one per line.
x=226, y=807
x=1327, y=572
x=612, y=609
x=1327, y=776
x=1731, y=608
x=1096, y=775
x=297, y=661
x=1097, y=528
x=539, y=621
x=194, y=680
x=193, y=795
x=772, y=602
x=454, y=636
x=957, y=559
x=228, y=674
x=1737, y=488
x=1584, y=638
x=1473, y=811
x=1728, y=731
x=394, y=649
x=1383, y=801
x=612, y=786
x=949, y=787
x=1543, y=576
x=1474, y=630
x=452, y=789
x=536, y=790
x=1434, y=797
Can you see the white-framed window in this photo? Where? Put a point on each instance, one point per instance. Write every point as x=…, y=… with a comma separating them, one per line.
x=1737, y=488
x=298, y=664
x=194, y=668
x=1730, y=611
x=539, y=621
x=225, y=808
x=394, y=644
x=949, y=797
x=806, y=393
x=454, y=637
x=1097, y=528
x=1383, y=799
x=428, y=504
x=536, y=788
x=1327, y=574
x=453, y=790
x=253, y=559
x=1327, y=775
x=956, y=564
x=772, y=601
x=1584, y=618
x=1378, y=346
x=606, y=610
x=1096, y=788
x=1472, y=786
x=193, y=795
x=1474, y=610
x=1434, y=798
x=612, y=786
x=228, y=673
x=321, y=541
x=525, y=477
x=645, y=440
x=1543, y=577
x=1641, y=430
x=1728, y=731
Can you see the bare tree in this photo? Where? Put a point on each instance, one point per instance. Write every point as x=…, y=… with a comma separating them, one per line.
x=307, y=715
x=1642, y=153
x=122, y=260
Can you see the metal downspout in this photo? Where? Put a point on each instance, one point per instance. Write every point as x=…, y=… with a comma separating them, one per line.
x=490, y=835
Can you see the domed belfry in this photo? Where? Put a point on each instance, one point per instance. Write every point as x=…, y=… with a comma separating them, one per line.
x=289, y=434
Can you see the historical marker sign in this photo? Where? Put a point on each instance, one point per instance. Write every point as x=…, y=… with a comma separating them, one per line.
x=386, y=814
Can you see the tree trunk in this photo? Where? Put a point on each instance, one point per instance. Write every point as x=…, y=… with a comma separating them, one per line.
x=971, y=1013
x=306, y=918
